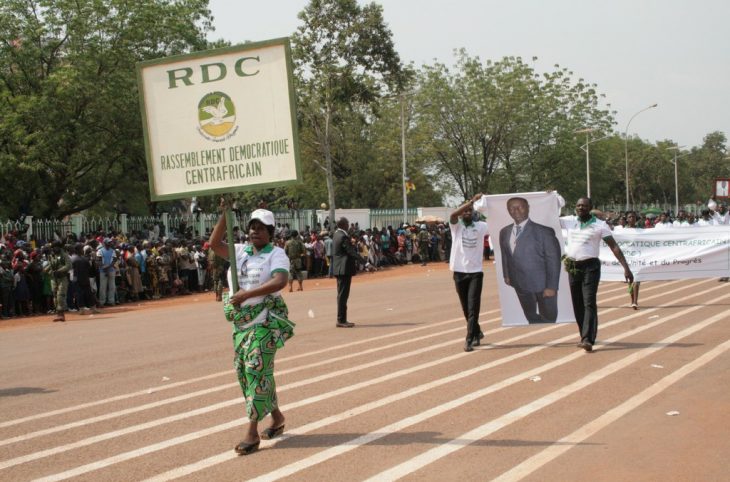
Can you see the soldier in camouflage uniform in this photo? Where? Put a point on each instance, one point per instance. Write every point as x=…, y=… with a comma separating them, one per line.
x=217, y=266
x=164, y=270
x=154, y=273
x=424, y=239
x=59, y=264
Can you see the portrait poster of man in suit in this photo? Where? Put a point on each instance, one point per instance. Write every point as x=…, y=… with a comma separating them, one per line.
x=533, y=284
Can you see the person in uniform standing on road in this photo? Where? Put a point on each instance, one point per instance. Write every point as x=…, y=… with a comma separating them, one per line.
x=585, y=233
x=294, y=249
x=467, y=235
x=260, y=321
x=59, y=265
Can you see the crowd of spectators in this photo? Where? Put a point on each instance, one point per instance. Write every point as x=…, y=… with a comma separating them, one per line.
x=377, y=247
x=717, y=215
x=149, y=265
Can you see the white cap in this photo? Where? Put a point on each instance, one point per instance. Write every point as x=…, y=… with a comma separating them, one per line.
x=263, y=215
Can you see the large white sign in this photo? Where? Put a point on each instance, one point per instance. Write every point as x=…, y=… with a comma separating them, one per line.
x=670, y=253
x=220, y=121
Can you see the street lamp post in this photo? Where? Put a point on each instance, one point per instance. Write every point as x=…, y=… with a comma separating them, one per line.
x=587, y=132
x=403, y=155
x=676, y=177
x=626, y=150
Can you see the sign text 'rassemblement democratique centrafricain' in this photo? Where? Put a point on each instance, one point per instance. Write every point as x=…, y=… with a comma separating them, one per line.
x=220, y=121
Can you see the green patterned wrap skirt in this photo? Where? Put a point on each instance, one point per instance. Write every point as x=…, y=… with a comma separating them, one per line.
x=258, y=331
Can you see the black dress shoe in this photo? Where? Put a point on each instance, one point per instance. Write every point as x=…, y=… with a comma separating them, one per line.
x=478, y=340
x=345, y=324
x=468, y=346
x=586, y=346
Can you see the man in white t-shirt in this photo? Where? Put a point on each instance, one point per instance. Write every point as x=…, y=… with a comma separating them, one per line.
x=720, y=213
x=585, y=233
x=466, y=262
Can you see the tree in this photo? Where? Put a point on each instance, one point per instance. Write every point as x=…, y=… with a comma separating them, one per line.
x=344, y=59
x=502, y=127
x=70, y=128
x=384, y=172
x=709, y=162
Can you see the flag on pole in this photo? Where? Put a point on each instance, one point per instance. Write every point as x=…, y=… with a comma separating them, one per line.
x=410, y=186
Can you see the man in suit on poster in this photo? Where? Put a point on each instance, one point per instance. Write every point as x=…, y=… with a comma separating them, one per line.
x=531, y=263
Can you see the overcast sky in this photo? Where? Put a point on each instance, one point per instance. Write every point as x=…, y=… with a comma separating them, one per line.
x=639, y=52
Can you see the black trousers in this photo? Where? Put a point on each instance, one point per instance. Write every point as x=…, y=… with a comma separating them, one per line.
x=532, y=302
x=469, y=289
x=583, y=290
x=84, y=296
x=343, y=292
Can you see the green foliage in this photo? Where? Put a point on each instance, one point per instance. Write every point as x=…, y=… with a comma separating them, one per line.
x=70, y=129
x=703, y=165
x=344, y=60
x=502, y=127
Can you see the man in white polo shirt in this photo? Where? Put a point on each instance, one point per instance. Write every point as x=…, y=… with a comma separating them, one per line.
x=585, y=233
x=466, y=262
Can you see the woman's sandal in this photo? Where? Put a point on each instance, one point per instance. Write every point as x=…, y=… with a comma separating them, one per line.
x=247, y=448
x=272, y=432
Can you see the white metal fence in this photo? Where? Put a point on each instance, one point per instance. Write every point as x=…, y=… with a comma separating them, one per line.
x=192, y=225
x=201, y=224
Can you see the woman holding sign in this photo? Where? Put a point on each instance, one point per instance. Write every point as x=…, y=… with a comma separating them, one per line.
x=260, y=321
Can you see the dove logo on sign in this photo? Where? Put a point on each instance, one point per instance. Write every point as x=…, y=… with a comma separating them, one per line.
x=216, y=116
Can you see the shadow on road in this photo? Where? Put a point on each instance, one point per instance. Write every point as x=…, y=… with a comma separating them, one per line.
x=18, y=391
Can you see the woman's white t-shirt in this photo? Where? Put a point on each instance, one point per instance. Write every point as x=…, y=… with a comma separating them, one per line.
x=255, y=269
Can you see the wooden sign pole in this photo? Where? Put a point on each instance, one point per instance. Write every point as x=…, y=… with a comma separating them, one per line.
x=231, y=251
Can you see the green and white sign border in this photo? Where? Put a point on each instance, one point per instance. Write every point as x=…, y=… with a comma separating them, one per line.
x=202, y=55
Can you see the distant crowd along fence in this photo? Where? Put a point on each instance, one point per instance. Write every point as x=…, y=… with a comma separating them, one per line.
x=194, y=224
x=199, y=224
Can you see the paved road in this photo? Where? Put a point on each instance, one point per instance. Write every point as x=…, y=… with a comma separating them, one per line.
x=148, y=392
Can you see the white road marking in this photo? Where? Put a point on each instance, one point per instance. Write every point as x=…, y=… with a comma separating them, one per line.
x=228, y=455
x=200, y=411
x=479, y=433
x=10, y=423
x=285, y=359
x=159, y=388
x=566, y=443
x=226, y=426
x=207, y=391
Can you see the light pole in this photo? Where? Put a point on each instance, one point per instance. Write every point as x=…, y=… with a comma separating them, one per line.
x=403, y=155
x=676, y=179
x=626, y=149
x=587, y=132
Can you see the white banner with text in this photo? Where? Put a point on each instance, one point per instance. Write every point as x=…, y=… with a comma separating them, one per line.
x=669, y=254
